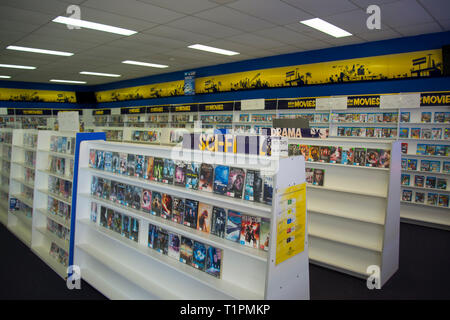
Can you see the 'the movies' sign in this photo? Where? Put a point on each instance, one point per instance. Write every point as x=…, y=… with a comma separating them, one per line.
x=157, y=109
x=185, y=108
x=136, y=110
x=303, y=103
x=435, y=99
x=363, y=102
x=103, y=112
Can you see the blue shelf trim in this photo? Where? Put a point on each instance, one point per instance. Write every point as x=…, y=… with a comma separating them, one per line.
x=80, y=137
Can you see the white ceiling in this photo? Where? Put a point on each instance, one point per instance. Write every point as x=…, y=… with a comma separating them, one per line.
x=255, y=28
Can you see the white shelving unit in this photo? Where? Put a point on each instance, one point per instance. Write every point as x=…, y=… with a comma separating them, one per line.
x=23, y=160
x=125, y=269
x=416, y=211
x=53, y=206
x=5, y=165
x=354, y=218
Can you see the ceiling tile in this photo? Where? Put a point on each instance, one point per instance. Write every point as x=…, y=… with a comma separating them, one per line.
x=322, y=8
x=382, y=34
x=276, y=11
x=419, y=29
x=177, y=34
x=197, y=25
x=242, y=48
x=284, y=35
x=238, y=20
x=22, y=15
x=438, y=8
x=134, y=9
x=256, y=41
x=52, y=7
x=365, y=3
x=404, y=13
x=354, y=21
x=188, y=7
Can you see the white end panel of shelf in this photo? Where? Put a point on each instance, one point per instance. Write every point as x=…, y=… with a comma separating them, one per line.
x=354, y=216
x=125, y=269
x=48, y=206
x=5, y=168
x=21, y=187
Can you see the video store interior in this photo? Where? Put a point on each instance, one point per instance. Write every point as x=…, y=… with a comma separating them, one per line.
x=224, y=149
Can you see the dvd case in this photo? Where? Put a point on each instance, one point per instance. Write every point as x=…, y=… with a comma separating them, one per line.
x=233, y=228
x=206, y=177
x=213, y=261
x=186, y=250
x=174, y=246
x=264, y=234
x=250, y=227
x=199, y=256
x=178, y=210
x=204, y=217
x=218, y=222
x=166, y=203
x=180, y=174
x=236, y=182
x=192, y=175
x=253, y=186
x=190, y=213
x=146, y=201
x=156, y=203
x=168, y=171
x=221, y=174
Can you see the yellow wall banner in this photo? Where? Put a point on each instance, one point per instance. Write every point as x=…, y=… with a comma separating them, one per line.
x=30, y=95
x=157, y=90
x=291, y=222
x=394, y=66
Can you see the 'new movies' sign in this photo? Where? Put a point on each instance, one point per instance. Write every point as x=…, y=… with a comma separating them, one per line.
x=435, y=99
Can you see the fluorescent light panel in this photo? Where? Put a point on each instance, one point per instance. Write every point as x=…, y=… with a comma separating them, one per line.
x=93, y=25
x=145, y=64
x=100, y=74
x=67, y=81
x=5, y=77
x=26, y=49
x=326, y=27
x=16, y=66
x=212, y=49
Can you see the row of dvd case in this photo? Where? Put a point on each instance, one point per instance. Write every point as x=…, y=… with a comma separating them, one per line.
x=62, y=144
x=425, y=133
x=59, y=254
x=59, y=230
x=369, y=157
x=58, y=165
x=432, y=150
x=424, y=181
x=430, y=198
x=425, y=165
x=367, y=132
x=221, y=179
x=59, y=209
x=30, y=140
x=191, y=213
x=60, y=187
x=185, y=250
x=123, y=224
x=385, y=117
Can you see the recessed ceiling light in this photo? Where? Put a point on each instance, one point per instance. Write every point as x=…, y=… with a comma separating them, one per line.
x=93, y=25
x=5, y=77
x=100, y=74
x=326, y=27
x=145, y=64
x=57, y=53
x=67, y=81
x=212, y=49
x=16, y=66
